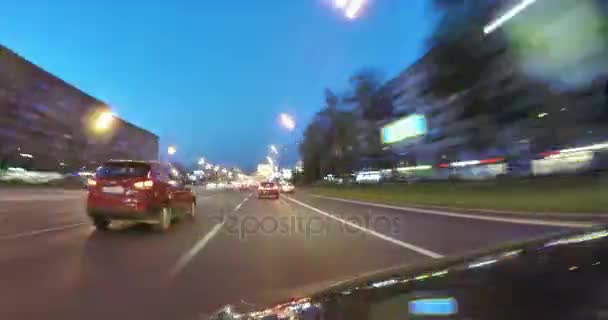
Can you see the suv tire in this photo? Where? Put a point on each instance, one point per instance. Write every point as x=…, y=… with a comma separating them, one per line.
x=101, y=224
x=164, y=220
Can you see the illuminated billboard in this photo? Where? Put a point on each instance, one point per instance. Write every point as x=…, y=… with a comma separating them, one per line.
x=407, y=127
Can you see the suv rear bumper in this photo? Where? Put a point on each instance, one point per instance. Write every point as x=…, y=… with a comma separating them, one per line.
x=274, y=194
x=148, y=216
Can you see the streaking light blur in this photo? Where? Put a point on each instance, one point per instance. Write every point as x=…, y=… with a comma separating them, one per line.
x=507, y=16
x=482, y=263
x=577, y=239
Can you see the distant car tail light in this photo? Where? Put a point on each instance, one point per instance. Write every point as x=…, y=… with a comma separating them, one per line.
x=91, y=182
x=144, y=185
x=275, y=188
x=260, y=188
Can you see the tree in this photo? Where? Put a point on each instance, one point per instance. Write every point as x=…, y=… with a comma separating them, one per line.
x=368, y=96
x=329, y=144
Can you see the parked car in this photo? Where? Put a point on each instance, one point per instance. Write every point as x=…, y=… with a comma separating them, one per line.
x=146, y=192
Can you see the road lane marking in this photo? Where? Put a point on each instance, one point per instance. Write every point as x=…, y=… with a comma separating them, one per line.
x=550, y=223
x=41, y=231
x=374, y=233
x=183, y=261
x=187, y=257
x=40, y=198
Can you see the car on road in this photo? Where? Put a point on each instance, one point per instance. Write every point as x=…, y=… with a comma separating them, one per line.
x=268, y=190
x=244, y=187
x=287, y=188
x=140, y=191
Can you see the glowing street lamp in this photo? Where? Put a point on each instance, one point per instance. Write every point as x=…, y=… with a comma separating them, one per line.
x=274, y=149
x=103, y=121
x=171, y=150
x=340, y=4
x=353, y=9
x=287, y=121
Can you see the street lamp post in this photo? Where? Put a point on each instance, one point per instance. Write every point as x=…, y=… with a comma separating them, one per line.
x=288, y=122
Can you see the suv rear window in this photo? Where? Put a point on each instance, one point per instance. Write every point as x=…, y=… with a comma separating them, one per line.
x=268, y=184
x=128, y=170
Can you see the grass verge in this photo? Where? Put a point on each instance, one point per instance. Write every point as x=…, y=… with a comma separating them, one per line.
x=540, y=195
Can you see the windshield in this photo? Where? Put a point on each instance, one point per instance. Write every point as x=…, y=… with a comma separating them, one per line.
x=122, y=170
x=268, y=184
x=217, y=152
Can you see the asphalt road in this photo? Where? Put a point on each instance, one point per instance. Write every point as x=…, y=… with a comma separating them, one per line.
x=55, y=265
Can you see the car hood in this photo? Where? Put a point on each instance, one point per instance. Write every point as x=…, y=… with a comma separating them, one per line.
x=557, y=276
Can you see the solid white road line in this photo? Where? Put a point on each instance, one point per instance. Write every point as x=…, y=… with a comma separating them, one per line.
x=549, y=223
x=41, y=231
x=406, y=245
x=183, y=261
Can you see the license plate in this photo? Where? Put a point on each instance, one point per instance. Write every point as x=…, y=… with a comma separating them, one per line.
x=114, y=190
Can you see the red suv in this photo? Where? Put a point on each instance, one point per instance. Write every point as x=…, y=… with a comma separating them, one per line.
x=268, y=189
x=148, y=192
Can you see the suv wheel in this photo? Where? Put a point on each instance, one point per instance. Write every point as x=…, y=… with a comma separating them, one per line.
x=101, y=224
x=192, y=211
x=164, y=220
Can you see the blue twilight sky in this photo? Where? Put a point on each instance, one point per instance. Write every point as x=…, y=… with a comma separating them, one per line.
x=211, y=76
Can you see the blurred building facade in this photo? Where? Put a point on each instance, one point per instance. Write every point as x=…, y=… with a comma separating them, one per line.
x=46, y=123
x=522, y=132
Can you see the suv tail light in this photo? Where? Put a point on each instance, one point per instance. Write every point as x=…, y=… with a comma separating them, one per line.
x=260, y=188
x=275, y=188
x=144, y=185
x=91, y=182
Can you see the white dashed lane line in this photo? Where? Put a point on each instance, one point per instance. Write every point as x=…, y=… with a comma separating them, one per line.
x=42, y=231
x=183, y=261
